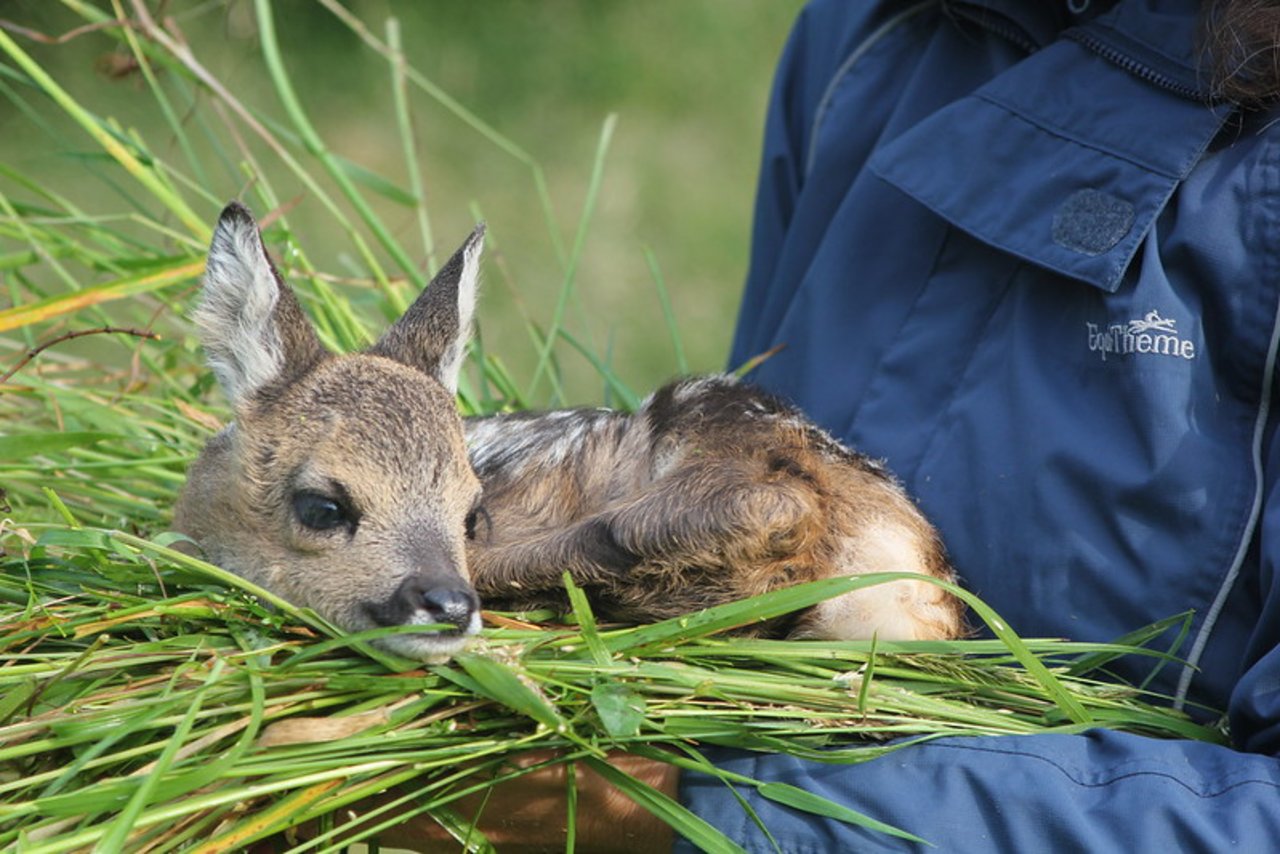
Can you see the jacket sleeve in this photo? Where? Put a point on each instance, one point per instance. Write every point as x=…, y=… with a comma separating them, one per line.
x=1101, y=791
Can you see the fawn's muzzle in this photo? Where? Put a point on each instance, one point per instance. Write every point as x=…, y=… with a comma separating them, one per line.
x=430, y=600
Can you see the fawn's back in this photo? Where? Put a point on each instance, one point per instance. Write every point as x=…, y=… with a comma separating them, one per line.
x=711, y=492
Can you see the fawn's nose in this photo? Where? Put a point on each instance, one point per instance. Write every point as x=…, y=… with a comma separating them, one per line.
x=421, y=599
x=449, y=606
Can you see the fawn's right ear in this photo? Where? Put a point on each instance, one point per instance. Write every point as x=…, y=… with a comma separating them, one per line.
x=253, y=329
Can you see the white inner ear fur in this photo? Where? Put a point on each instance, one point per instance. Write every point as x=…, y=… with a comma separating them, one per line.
x=236, y=316
x=468, y=285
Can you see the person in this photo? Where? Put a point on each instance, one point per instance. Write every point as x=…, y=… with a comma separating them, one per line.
x=1028, y=252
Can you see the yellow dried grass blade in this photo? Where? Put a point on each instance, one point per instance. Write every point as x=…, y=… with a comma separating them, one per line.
x=275, y=817
x=46, y=309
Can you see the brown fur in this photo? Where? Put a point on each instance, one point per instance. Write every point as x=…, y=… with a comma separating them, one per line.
x=344, y=484
x=712, y=492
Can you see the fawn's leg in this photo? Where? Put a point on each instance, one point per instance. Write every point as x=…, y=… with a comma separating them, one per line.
x=587, y=550
x=705, y=515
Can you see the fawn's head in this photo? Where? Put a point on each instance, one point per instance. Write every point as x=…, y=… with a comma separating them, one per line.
x=343, y=483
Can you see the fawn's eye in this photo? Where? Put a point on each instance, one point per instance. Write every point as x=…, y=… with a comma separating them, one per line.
x=473, y=519
x=319, y=512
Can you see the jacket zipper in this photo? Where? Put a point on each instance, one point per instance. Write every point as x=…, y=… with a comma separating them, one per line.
x=1003, y=28
x=998, y=26
x=1131, y=65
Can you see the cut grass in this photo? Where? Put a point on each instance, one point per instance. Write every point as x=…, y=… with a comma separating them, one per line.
x=151, y=700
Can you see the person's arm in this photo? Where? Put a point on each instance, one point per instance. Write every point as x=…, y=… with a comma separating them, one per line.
x=1104, y=791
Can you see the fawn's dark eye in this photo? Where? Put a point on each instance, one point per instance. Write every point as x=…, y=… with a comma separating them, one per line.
x=320, y=512
x=473, y=519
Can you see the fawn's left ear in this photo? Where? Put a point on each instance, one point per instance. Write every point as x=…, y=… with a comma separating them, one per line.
x=433, y=333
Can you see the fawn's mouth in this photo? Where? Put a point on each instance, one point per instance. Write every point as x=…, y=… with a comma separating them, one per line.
x=444, y=630
x=433, y=647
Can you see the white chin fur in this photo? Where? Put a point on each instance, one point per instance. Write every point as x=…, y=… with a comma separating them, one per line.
x=431, y=647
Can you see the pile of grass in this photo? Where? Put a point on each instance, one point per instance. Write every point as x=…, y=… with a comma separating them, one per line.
x=148, y=701
x=153, y=703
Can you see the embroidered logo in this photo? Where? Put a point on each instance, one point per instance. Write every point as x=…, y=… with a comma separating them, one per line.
x=1149, y=335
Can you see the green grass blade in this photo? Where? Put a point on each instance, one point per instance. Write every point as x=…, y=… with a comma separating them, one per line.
x=687, y=824
x=24, y=446
x=147, y=176
x=484, y=129
x=408, y=143
x=118, y=832
x=575, y=256
x=586, y=620
x=668, y=314
x=799, y=799
x=316, y=147
x=504, y=685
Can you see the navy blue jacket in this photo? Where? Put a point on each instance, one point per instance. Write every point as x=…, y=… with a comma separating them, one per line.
x=1013, y=252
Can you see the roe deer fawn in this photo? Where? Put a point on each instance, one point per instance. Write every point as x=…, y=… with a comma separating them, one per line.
x=348, y=483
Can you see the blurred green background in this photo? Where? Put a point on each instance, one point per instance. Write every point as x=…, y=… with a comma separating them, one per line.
x=688, y=80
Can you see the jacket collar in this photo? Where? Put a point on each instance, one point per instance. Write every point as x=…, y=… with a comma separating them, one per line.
x=1067, y=158
x=1156, y=37
x=1031, y=24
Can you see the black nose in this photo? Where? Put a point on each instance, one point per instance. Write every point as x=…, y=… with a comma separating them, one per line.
x=449, y=606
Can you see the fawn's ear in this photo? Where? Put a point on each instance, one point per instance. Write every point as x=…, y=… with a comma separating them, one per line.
x=433, y=333
x=254, y=331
